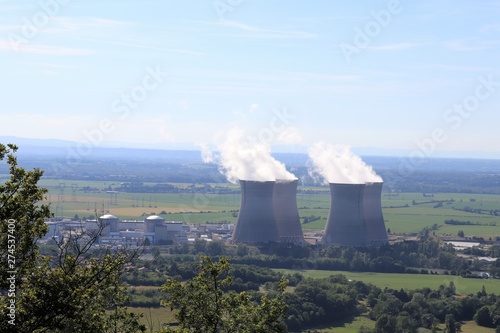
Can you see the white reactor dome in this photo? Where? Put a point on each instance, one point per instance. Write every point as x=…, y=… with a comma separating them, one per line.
x=108, y=217
x=155, y=218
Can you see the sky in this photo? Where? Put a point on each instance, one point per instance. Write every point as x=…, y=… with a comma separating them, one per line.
x=419, y=76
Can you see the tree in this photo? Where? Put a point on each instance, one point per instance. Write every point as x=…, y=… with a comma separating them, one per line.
x=482, y=317
x=449, y=323
x=204, y=305
x=21, y=217
x=73, y=290
x=405, y=324
x=385, y=324
x=67, y=291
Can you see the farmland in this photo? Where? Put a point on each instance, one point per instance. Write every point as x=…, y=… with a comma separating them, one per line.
x=403, y=212
x=408, y=281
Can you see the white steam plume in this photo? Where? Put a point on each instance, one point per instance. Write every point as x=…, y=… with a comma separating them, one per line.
x=338, y=164
x=206, y=154
x=239, y=158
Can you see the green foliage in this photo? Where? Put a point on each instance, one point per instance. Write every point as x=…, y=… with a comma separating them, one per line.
x=482, y=317
x=204, y=305
x=19, y=202
x=322, y=302
x=68, y=290
x=385, y=324
x=449, y=323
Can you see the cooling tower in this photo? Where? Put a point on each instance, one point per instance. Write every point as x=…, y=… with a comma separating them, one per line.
x=286, y=212
x=346, y=224
x=256, y=222
x=372, y=203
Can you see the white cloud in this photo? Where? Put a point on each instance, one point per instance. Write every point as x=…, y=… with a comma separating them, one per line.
x=9, y=27
x=29, y=116
x=470, y=44
x=395, y=47
x=142, y=46
x=42, y=49
x=74, y=24
x=254, y=107
x=255, y=32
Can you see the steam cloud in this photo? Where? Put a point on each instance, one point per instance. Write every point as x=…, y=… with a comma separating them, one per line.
x=338, y=164
x=240, y=158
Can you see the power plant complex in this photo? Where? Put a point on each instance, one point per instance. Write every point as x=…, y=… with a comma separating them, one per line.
x=268, y=213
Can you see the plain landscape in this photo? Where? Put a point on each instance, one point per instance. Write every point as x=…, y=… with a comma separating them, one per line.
x=180, y=189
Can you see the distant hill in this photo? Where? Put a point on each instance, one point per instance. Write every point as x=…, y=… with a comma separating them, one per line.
x=54, y=149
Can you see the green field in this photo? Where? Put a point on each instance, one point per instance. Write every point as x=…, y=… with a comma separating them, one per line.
x=154, y=317
x=408, y=281
x=68, y=199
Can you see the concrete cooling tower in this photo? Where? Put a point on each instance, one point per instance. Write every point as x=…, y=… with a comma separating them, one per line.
x=372, y=203
x=286, y=212
x=256, y=222
x=346, y=224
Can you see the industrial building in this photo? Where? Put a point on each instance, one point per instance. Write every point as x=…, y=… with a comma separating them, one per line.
x=153, y=229
x=268, y=213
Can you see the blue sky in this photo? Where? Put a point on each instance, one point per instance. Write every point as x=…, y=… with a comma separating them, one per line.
x=66, y=67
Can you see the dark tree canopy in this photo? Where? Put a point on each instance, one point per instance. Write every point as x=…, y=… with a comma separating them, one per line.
x=68, y=291
x=205, y=306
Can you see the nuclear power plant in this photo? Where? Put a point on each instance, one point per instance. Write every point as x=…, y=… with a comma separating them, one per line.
x=256, y=222
x=355, y=217
x=269, y=213
x=286, y=212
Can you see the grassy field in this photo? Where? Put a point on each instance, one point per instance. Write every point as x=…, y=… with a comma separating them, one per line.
x=409, y=281
x=154, y=317
x=403, y=212
x=349, y=326
x=471, y=327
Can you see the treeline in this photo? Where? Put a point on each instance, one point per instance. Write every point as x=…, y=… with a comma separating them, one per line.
x=439, y=203
x=193, y=171
x=406, y=311
x=437, y=181
x=457, y=222
x=493, y=212
x=311, y=218
x=396, y=258
x=312, y=302
x=140, y=187
x=315, y=302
